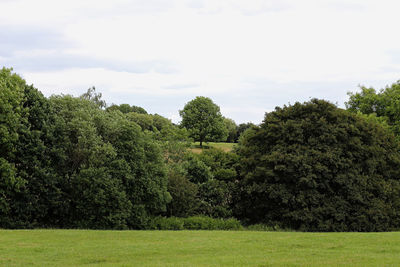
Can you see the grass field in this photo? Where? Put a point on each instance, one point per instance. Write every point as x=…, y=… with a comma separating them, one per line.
x=196, y=248
x=227, y=147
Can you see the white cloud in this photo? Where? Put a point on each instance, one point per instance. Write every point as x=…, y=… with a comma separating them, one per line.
x=204, y=47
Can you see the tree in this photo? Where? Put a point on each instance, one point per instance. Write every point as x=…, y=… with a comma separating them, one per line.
x=93, y=195
x=13, y=121
x=383, y=106
x=242, y=128
x=94, y=97
x=232, y=130
x=31, y=197
x=203, y=119
x=315, y=167
x=126, y=108
x=183, y=192
x=113, y=172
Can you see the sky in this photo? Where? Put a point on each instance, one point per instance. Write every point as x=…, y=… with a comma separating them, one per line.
x=248, y=56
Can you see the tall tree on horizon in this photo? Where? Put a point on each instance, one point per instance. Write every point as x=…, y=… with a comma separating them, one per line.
x=203, y=119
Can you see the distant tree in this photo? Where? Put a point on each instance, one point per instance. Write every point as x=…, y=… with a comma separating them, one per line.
x=382, y=106
x=315, y=167
x=126, y=108
x=145, y=121
x=203, y=119
x=242, y=128
x=232, y=130
x=94, y=97
x=138, y=109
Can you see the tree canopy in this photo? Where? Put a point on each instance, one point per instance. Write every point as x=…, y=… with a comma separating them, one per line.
x=316, y=167
x=67, y=162
x=203, y=119
x=232, y=129
x=383, y=106
x=126, y=108
x=75, y=162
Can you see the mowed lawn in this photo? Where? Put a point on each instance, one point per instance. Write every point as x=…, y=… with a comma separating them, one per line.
x=196, y=248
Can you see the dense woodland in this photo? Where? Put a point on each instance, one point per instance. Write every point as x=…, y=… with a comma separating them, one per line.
x=76, y=162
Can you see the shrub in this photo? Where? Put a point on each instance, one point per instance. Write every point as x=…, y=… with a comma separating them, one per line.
x=315, y=167
x=231, y=224
x=171, y=223
x=194, y=223
x=201, y=223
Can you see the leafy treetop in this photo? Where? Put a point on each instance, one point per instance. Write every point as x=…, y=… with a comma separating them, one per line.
x=315, y=167
x=203, y=119
x=382, y=106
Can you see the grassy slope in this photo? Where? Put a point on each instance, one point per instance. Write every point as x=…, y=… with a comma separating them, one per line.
x=227, y=147
x=196, y=248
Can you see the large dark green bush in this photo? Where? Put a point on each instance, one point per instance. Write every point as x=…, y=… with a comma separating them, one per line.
x=316, y=167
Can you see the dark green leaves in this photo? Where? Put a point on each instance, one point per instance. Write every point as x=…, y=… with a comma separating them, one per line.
x=315, y=167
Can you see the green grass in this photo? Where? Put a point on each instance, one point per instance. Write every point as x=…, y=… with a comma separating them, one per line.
x=196, y=248
x=227, y=147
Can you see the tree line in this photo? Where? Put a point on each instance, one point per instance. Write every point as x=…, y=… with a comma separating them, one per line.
x=74, y=162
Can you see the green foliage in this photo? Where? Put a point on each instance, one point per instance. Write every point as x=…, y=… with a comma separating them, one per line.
x=222, y=164
x=99, y=200
x=24, y=163
x=198, y=171
x=73, y=163
x=232, y=128
x=66, y=162
x=217, y=195
x=207, y=223
x=184, y=193
x=162, y=129
x=216, y=199
x=203, y=119
x=145, y=121
x=202, y=184
x=126, y=108
x=214, y=172
x=383, y=107
x=195, y=223
x=143, y=171
x=13, y=118
x=171, y=223
x=111, y=164
x=315, y=167
x=242, y=128
x=39, y=199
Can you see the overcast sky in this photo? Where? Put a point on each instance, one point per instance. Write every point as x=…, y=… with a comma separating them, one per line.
x=248, y=56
